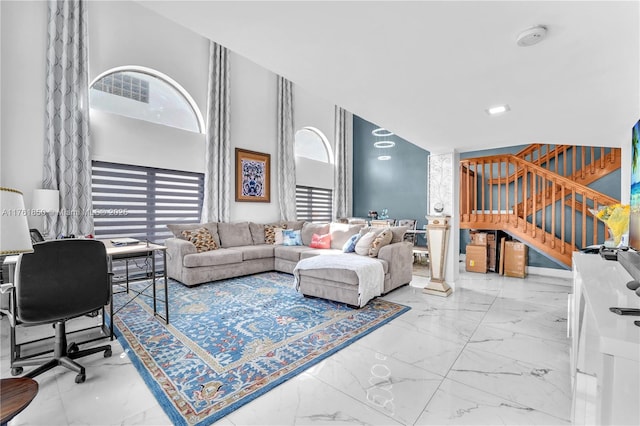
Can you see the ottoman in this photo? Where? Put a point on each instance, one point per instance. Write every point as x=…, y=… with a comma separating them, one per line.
x=344, y=278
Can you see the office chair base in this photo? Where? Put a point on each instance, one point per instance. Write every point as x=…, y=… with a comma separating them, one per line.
x=63, y=355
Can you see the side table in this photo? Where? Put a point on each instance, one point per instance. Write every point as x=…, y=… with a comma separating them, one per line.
x=15, y=395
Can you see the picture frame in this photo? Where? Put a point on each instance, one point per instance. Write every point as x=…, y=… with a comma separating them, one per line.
x=253, y=176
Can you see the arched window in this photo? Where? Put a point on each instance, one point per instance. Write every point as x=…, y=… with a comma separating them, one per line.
x=145, y=94
x=312, y=143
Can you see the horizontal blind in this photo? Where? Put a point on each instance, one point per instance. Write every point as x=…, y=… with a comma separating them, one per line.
x=138, y=202
x=313, y=204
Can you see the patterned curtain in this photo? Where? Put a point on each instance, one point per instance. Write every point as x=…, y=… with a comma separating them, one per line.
x=218, y=152
x=342, y=170
x=286, y=157
x=67, y=164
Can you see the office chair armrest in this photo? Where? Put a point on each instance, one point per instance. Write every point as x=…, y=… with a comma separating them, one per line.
x=6, y=288
x=6, y=301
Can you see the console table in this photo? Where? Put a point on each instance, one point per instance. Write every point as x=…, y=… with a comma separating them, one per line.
x=605, y=347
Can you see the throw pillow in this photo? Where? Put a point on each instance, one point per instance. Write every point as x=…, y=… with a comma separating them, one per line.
x=364, y=243
x=201, y=238
x=350, y=245
x=321, y=241
x=270, y=233
x=291, y=237
x=383, y=239
x=278, y=237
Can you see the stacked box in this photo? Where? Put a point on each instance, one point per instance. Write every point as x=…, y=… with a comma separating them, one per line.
x=478, y=238
x=515, y=259
x=491, y=248
x=476, y=258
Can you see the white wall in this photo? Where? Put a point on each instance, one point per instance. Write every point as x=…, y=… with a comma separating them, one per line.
x=23, y=27
x=125, y=33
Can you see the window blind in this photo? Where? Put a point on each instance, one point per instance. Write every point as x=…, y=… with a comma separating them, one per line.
x=138, y=202
x=313, y=204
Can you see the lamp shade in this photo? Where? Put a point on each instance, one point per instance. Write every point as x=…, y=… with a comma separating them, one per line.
x=14, y=229
x=47, y=200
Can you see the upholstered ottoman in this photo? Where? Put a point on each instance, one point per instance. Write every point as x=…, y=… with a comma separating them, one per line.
x=345, y=278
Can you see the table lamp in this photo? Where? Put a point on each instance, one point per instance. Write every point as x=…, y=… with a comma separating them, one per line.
x=14, y=229
x=48, y=201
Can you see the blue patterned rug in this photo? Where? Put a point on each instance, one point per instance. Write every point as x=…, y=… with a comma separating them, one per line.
x=231, y=341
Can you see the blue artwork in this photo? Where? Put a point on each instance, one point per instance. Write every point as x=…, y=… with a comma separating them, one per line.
x=253, y=176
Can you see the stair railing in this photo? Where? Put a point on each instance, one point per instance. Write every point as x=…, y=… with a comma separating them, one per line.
x=506, y=190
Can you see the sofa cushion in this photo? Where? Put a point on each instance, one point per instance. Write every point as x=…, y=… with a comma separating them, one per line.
x=350, y=245
x=234, y=234
x=321, y=241
x=291, y=253
x=270, y=233
x=396, y=231
x=201, y=238
x=212, y=258
x=296, y=225
x=291, y=237
x=257, y=232
x=381, y=240
x=177, y=228
x=341, y=232
x=364, y=243
x=260, y=251
x=308, y=229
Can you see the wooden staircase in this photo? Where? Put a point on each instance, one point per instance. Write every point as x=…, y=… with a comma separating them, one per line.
x=539, y=195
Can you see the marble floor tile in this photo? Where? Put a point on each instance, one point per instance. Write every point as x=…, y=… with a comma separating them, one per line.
x=307, y=400
x=541, y=388
x=535, y=350
x=395, y=388
x=458, y=404
x=414, y=347
x=528, y=318
x=540, y=293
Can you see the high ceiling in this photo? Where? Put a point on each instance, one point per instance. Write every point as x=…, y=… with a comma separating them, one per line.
x=428, y=70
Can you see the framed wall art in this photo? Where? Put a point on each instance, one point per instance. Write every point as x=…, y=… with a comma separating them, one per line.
x=253, y=176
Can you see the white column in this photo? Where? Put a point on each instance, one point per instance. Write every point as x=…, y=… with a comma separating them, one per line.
x=444, y=184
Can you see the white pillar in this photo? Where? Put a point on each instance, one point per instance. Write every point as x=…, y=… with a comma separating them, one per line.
x=444, y=184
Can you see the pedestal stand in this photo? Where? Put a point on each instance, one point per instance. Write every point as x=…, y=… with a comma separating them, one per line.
x=437, y=238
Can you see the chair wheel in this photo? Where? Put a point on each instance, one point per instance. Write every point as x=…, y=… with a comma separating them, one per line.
x=73, y=347
x=107, y=353
x=16, y=371
x=80, y=378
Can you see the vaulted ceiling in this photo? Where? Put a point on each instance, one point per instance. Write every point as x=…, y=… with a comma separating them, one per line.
x=428, y=70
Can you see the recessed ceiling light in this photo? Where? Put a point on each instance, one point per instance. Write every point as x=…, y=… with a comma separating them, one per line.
x=384, y=144
x=384, y=157
x=381, y=132
x=498, y=109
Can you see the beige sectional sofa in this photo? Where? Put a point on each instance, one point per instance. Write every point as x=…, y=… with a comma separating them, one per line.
x=243, y=251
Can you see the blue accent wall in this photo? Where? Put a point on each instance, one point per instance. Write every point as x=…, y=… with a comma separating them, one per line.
x=398, y=184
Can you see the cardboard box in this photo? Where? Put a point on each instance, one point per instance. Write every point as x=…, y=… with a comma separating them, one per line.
x=515, y=259
x=478, y=238
x=476, y=258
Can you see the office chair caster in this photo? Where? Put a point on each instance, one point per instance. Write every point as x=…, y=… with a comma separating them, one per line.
x=16, y=371
x=80, y=378
x=107, y=353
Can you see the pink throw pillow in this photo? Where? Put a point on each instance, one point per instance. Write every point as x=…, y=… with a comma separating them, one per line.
x=321, y=241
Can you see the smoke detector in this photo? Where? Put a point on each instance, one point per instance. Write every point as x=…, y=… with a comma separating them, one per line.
x=531, y=36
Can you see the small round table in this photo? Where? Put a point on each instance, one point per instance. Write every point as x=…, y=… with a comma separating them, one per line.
x=15, y=395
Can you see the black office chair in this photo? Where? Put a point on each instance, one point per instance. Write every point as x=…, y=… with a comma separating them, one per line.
x=60, y=280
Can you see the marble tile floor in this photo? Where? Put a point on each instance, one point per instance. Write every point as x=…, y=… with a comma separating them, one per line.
x=494, y=352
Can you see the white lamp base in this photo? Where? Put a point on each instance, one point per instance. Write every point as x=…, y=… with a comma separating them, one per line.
x=441, y=289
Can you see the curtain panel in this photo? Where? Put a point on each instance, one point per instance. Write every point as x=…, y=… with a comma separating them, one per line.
x=67, y=163
x=218, y=145
x=286, y=155
x=343, y=166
